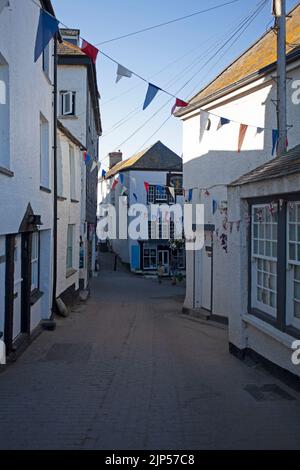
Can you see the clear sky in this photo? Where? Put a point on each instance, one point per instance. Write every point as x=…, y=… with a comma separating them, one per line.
x=178, y=51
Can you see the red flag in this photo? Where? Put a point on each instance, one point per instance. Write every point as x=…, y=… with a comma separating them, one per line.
x=89, y=50
x=179, y=104
x=115, y=184
x=146, y=186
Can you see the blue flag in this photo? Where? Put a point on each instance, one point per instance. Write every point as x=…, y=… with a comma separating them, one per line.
x=151, y=93
x=135, y=196
x=48, y=26
x=103, y=173
x=122, y=178
x=275, y=136
x=190, y=195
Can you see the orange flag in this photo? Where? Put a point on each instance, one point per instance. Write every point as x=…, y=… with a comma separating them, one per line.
x=242, y=134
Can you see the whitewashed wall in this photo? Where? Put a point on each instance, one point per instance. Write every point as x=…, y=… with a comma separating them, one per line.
x=30, y=93
x=215, y=161
x=68, y=213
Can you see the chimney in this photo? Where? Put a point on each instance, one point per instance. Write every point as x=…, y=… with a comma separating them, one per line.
x=114, y=158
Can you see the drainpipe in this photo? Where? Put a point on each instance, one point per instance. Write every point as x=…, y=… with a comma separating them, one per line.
x=54, y=182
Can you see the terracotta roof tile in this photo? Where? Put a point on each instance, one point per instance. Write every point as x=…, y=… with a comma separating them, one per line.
x=255, y=59
x=66, y=48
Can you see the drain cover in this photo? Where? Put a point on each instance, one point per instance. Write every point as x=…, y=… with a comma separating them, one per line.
x=68, y=352
x=268, y=392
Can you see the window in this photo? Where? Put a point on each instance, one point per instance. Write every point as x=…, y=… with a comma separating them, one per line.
x=157, y=194
x=35, y=251
x=70, y=243
x=46, y=60
x=68, y=103
x=264, y=258
x=293, y=264
x=44, y=152
x=72, y=173
x=149, y=257
x=4, y=115
x=151, y=195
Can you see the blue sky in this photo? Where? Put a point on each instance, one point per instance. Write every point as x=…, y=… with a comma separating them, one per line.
x=181, y=49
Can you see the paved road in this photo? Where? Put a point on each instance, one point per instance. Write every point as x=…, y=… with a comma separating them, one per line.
x=128, y=371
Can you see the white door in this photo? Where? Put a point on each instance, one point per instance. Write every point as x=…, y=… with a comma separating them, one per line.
x=17, y=287
x=163, y=260
x=206, y=271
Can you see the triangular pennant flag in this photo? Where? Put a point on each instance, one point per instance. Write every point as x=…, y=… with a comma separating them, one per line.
x=122, y=178
x=242, y=134
x=172, y=191
x=151, y=93
x=259, y=130
x=223, y=122
x=215, y=206
x=135, y=196
x=103, y=173
x=190, y=195
x=48, y=26
x=3, y=4
x=179, y=104
x=124, y=190
x=122, y=72
x=115, y=184
x=275, y=136
x=86, y=157
x=94, y=166
x=90, y=50
x=146, y=186
x=204, y=118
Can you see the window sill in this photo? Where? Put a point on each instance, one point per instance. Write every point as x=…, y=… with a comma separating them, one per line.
x=61, y=198
x=75, y=201
x=283, y=338
x=35, y=296
x=70, y=273
x=45, y=190
x=68, y=116
x=6, y=172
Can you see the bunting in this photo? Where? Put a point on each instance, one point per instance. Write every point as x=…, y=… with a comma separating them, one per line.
x=103, y=173
x=90, y=50
x=151, y=93
x=204, y=121
x=3, y=4
x=275, y=137
x=190, y=197
x=86, y=157
x=242, y=134
x=122, y=72
x=115, y=184
x=122, y=178
x=47, y=28
x=146, y=186
x=135, y=196
x=94, y=166
x=179, y=104
x=259, y=130
x=172, y=191
x=223, y=122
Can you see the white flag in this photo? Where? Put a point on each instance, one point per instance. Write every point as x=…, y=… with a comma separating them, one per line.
x=123, y=72
x=172, y=192
x=204, y=116
x=94, y=165
x=3, y=4
x=2, y=353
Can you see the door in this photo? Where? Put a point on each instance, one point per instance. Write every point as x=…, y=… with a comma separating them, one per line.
x=17, y=304
x=207, y=272
x=163, y=260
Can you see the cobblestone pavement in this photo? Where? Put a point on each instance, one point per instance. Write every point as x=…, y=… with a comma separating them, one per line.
x=128, y=371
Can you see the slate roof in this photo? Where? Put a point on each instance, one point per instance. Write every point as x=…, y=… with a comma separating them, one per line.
x=254, y=63
x=157, y=157
x=287, y=164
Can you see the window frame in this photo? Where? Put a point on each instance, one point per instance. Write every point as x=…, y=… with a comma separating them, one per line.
x=70, y=268
x=71, y=111
x=280, y=322
x=290, y=268
x=36, y=260
x=149, y=248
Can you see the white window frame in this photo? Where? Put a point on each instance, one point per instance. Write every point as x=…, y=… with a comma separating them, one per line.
x=161, y=196
x=72, y=168
x=150, y=248
x=71, y=227
x=151, y=194
x=68, y=108
x=35, y=261
x=291, y=320
x=255, y=257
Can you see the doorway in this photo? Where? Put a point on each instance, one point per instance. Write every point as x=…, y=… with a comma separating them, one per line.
x=164, y=260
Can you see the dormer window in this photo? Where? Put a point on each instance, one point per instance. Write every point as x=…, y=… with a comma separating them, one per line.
x=70, y=35
x=68, y=103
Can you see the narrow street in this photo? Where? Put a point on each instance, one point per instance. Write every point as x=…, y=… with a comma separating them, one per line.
x=128, y=371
